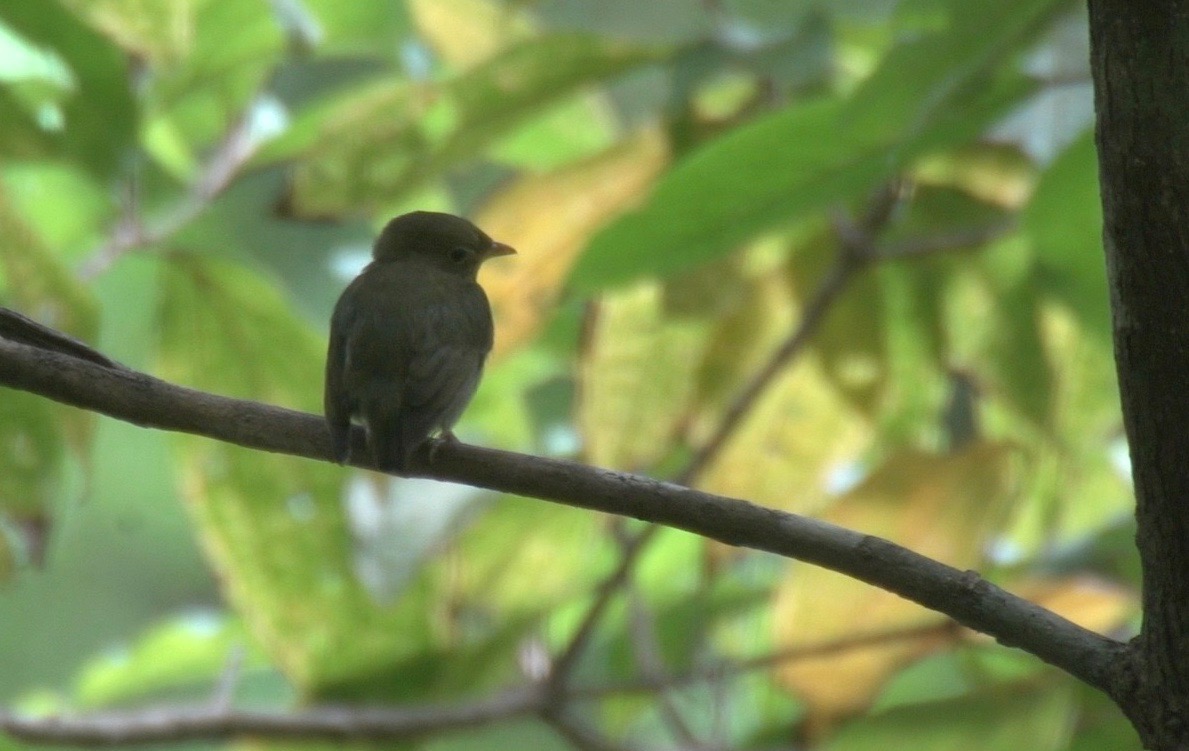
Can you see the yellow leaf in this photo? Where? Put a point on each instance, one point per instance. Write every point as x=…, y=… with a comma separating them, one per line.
x=798, y=434
x=467, y=32
x=636, y=378
x=548, y=219
x=942, y=506
x=1092, y=603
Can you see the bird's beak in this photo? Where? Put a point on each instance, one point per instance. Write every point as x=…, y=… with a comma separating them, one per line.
x=498, y=249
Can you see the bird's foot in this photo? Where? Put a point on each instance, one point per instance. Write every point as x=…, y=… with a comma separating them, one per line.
x=446, y=438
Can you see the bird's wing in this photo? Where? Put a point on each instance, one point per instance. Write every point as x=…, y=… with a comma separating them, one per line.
x=336, y=401
x=450, y=347
x=410, y=359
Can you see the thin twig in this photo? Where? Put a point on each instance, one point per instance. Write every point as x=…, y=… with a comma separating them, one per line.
x=578, y=734
x=130, y=232
x=918, y=247
x=644, y=643
x=223, y=697
x=563, y=664
x=730, y=668
x=172, y=724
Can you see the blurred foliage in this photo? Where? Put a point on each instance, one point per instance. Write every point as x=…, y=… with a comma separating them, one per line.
x=187, y=184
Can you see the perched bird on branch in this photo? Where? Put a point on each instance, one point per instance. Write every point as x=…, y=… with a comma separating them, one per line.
x=409, y=336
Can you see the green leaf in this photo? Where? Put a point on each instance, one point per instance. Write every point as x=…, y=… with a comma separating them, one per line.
x=20, y=136
x=100, y=117
x=34, y=432
x=1018, y=356
x=358, y=28
x=157, y=32
x=1064, y=222
x=31, y=454
x=190, y=651
x=371, y=147
x=230, y=49
x=990, y=720
x=934, y=92
x=522, y=557
x=274, y=526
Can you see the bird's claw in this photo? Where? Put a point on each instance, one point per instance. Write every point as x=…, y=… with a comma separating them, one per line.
x=446, y=438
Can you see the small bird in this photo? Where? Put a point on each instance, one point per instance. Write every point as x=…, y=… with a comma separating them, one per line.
x=409, y=336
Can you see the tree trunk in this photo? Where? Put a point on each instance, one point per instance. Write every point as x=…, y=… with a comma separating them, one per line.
x=1140, y=64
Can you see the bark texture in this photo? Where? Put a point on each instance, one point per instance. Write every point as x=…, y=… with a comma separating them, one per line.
x=1140, y=65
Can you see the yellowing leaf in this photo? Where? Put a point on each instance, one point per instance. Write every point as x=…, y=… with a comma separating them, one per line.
x=548, y=219
x=467, y=32
x=636, y=379
x=1091, y=603
x=161, y=31
x=797, y=435
x=998, y=173
x=940, y=506
x=274, y=526
x=522, y=557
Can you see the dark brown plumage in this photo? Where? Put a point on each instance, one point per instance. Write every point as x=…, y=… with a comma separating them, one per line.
x=409, y=337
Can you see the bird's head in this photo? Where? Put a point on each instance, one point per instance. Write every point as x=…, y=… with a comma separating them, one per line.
x=444, y=240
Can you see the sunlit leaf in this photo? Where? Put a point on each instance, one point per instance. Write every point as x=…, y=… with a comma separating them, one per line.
x=547, y=218
x=66, y=207
x=996, y=174
x=852, y=340
x=34, y=432
x=636, y=379
x=798, y=433
x=36, y=282
x=1019, y=360
x=521, y=557
x=231, y=50
x=31, y=454
x=344, y=28
x=467, y=32
x=580, y=127
x=159, y=31
x=191, y=651
x=942, y=506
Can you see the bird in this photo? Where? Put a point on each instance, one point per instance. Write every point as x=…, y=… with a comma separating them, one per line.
x=409, y=337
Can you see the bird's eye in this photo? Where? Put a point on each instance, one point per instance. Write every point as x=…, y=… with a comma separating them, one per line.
x=459, y=254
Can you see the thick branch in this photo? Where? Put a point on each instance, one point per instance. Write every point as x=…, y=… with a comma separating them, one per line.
x=968, y=599
x=1141, y=83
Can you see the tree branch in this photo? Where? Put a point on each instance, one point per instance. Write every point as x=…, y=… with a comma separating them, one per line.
x=233, y=151
x=217, y=721
x=964, y=596
x=1137, y=59
x=171, y=724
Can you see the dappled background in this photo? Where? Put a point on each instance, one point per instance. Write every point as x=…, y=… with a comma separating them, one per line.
x=838, y=258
